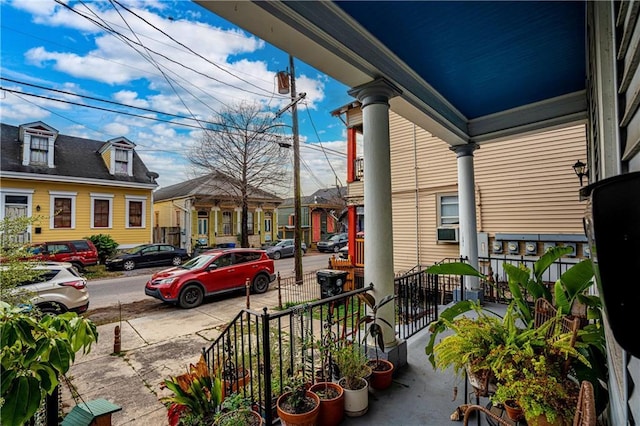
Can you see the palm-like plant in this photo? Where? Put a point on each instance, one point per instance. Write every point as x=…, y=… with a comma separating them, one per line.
x=196, y=394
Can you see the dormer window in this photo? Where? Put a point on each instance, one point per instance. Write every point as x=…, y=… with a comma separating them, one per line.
x=122, y=161
x=39, y=150
x=118, y=155
x=37, y=144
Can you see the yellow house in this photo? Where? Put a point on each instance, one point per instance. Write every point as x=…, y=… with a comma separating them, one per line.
x=203, y=212
x=76, y=187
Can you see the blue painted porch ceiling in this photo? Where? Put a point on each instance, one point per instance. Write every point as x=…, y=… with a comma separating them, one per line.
x=484, y=56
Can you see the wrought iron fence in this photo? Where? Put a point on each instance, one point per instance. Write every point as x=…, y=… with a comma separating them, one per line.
x=258, y=352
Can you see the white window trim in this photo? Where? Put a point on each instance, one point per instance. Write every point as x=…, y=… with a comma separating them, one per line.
x=112, y=166
x=62, y=194
x=26, y=147
x=108, y=197
x=16, y=191
x=439, y=206
x=129, y=198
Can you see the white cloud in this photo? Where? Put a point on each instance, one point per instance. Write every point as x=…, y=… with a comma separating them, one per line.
x=116, y=129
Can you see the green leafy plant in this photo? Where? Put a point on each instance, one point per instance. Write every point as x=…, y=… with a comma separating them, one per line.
x=471, y=342
x=105, y=245
x=236, y=410
x=374, y=329
x=297, y=401
x=35, y=352
x=351, y=362
x=196, y=395
x=18, y=264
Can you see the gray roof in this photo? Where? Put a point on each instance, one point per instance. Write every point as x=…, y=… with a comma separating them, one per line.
x=321, y=196
x=211, y=186
x=73, y=157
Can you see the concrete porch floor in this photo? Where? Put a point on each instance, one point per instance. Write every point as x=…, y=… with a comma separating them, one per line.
x=419, y=394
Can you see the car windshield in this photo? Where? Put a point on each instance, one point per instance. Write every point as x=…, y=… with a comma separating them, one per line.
x=335, y=238
x=282, y=243
x=197, y=262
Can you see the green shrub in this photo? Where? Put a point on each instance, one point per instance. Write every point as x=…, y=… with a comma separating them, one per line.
x=106, y=245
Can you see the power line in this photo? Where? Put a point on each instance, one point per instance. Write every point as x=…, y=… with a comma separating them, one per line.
x=325, y=154
x=189, y=49
x=122, y=36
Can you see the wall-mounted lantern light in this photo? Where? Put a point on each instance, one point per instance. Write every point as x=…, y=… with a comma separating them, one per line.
x=581, y=170
x=38, y=208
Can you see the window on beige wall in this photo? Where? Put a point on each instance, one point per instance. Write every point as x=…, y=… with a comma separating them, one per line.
x=448, y=209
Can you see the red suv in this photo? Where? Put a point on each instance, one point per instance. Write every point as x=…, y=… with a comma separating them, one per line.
x=213, y=272
x=80, y=253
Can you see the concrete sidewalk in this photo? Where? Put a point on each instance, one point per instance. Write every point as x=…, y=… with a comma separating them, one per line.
x=165, y=343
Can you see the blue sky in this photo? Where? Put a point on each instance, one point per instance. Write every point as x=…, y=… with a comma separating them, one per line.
x=208, y=63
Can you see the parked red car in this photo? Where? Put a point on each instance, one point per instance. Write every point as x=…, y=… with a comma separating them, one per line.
x=80, y=253
x=213, y=272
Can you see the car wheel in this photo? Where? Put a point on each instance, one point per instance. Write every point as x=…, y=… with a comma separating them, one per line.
x=336, y=249
x=52, y=308
x=176, y=261
x=260, y=284
x=191, y=296
x=78, y=267
x=277, y=255
x=129, y=265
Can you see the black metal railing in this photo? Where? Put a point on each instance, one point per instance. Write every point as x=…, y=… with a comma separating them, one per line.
x=258, y=351
x=416, y=302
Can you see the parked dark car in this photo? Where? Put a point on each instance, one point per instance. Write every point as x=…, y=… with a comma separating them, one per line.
x=80, y=253
x=333, y=243
x=147, y=255
x=283, y=248
x=213, y=272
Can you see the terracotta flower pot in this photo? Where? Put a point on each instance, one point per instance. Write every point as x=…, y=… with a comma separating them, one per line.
x=514, y=411
x=331, y=409
x=381, y=373
x=243, y=377
x=309, y=418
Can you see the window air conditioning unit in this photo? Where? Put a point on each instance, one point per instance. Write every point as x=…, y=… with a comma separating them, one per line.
x=447, y=235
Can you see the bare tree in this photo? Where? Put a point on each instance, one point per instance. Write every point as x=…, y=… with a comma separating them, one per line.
x=247, y=153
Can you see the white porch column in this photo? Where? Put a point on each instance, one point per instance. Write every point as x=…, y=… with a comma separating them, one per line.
x=216, y=213
x=378, y=241
x=467, y=213
x=238, y=220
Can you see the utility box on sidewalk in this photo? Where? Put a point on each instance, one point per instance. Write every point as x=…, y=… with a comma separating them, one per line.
x=331, y=282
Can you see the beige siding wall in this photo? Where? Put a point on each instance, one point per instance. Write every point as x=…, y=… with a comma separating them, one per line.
x=83, y=228
x=529, y=188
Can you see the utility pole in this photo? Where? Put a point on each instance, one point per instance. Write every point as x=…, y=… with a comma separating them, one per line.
x=284, y=81
x=297, y=233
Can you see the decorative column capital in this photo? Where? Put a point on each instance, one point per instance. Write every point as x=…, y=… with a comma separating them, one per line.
x=464, y=150
x=378, y=91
